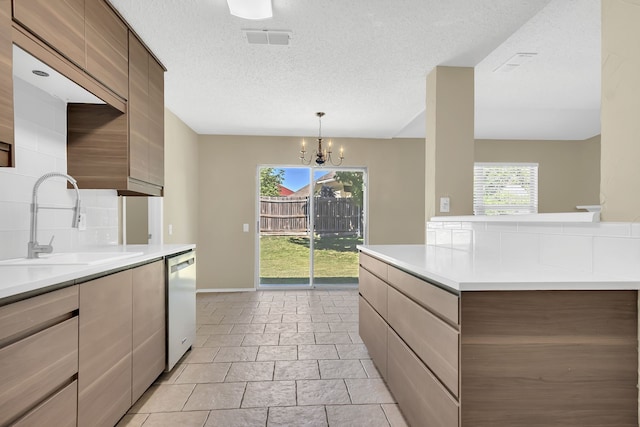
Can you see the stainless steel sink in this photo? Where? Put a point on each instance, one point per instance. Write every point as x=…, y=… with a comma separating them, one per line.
x=71, y=258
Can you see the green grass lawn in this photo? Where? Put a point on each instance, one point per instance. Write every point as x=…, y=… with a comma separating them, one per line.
x=285, y=259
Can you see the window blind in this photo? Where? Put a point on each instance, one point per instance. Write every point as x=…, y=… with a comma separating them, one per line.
x=505, y=188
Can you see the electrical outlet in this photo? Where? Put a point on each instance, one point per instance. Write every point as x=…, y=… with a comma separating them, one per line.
x=170, y=229
x=444, y=204
x=82, y=222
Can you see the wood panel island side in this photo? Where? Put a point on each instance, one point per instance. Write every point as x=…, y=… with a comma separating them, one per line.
x=516, y=357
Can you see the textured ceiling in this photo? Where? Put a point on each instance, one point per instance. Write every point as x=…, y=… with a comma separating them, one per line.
x=365, y=63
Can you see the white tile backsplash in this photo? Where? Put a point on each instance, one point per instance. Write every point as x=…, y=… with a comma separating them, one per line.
x=40, y=138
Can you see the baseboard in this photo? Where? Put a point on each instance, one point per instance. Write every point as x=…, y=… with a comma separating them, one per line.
x=210, y=290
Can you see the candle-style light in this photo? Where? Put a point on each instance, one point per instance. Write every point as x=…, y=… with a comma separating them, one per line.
x=321, y=156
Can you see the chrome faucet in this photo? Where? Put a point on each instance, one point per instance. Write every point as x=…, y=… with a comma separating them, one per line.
x=34, y=248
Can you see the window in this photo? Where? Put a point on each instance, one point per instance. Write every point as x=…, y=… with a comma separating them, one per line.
x=505, y=188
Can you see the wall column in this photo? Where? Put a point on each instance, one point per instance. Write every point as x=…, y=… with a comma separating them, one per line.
x=620, y=114
x=449, y=140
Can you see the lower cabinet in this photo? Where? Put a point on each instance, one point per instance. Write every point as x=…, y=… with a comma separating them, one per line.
x=39, y=360
x=104, y=377
x=149, y=337
x=122, y=342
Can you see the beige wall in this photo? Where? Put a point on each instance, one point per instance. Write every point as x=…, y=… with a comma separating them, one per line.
x=449, y=140
x=137, y=215
x=568, y=174
x=181, y=181
x=228, y=167
x=620, y=111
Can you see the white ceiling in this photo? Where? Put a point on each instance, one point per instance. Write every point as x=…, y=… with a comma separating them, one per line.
x=365, y=63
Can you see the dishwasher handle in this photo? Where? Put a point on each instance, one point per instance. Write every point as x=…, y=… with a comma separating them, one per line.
x=182, y=265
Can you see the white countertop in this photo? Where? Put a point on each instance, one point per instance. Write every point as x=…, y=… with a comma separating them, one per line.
x=478, y=270
x=15, y=280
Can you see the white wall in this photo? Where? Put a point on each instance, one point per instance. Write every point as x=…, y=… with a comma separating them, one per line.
x=41, y=139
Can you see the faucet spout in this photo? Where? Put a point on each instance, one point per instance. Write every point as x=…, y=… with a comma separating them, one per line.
x=34, y=248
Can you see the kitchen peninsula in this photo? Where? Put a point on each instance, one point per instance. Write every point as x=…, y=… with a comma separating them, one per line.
x=480, y=337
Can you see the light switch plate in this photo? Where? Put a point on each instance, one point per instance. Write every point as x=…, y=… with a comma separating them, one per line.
x=444, y=204
x=245, y=228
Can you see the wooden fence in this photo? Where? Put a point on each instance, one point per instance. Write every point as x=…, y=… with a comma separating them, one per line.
x=289, y=215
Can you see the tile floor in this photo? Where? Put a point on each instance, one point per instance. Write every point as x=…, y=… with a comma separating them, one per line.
x=272, y=358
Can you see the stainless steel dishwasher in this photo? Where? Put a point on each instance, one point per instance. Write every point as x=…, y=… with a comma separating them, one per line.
x=181, y=305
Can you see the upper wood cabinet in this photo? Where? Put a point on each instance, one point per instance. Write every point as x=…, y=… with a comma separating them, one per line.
x=6, y=86
x=146, y=115
x=106, y=46
x=59, y=23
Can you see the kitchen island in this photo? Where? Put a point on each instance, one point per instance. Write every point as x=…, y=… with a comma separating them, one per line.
x=465, y=339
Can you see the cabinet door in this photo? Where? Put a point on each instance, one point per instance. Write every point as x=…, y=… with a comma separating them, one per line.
x=138, y=110
x=59, y=23
x=107, y=41
x=6, y=86
x=104, y=374
x=149, y=336
x=156, y=122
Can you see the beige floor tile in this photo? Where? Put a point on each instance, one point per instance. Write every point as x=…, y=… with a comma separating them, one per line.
x=132, y=420
x=256, y=312
x=394, y=416
x=211, y=319
x=372, y=390
x=333, y=338
x=322, y=392
x=250, y=328
x=218, y=340
x=352, y=351
x=269, y=393
x=215, y=396
x=214, y=329
x=236, y=354
x=326, y=317
x=349, y=317
x=277, y=328
x=267, y=318
x=163, y=398
x=203, y=373
x=317, y=352
x=254, y=417
x=260, y=339
x=299, y=416
x=200, y=355
x=297, y=338
x=356, y=415
x=337, y=310
x=170, y=377
x=277, y=352
x=355, y=338
x=234, y=319
x=312, y=309
x=173, y=419
x=343, y=327
x=313, y=327
x=335, y=369
x=250, y=371
x=370, y=368
x=296, y=370
x=200, y=340
x=291, y=318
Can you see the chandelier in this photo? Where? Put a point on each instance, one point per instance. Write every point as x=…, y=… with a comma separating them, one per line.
x=321, y=156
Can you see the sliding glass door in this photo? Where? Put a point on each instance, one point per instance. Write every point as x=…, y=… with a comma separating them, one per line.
x=310, y=222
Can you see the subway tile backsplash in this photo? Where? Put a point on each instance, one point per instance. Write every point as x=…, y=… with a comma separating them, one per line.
x=41, y=141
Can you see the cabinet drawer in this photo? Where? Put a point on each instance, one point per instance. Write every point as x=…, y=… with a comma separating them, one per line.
x=59, y=410
x=374, y=291
x=422, y=399
x=375, y=266
x=33, y=368
x=373, y=331
x=19, y=318
x=438, y=300
x=148, y=362
x=432, y=340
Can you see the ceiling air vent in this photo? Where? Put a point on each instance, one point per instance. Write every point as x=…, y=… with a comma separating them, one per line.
x=515, y=62
x=274, y=37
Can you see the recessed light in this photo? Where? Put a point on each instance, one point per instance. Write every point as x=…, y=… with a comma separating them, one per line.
x=40, y=73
